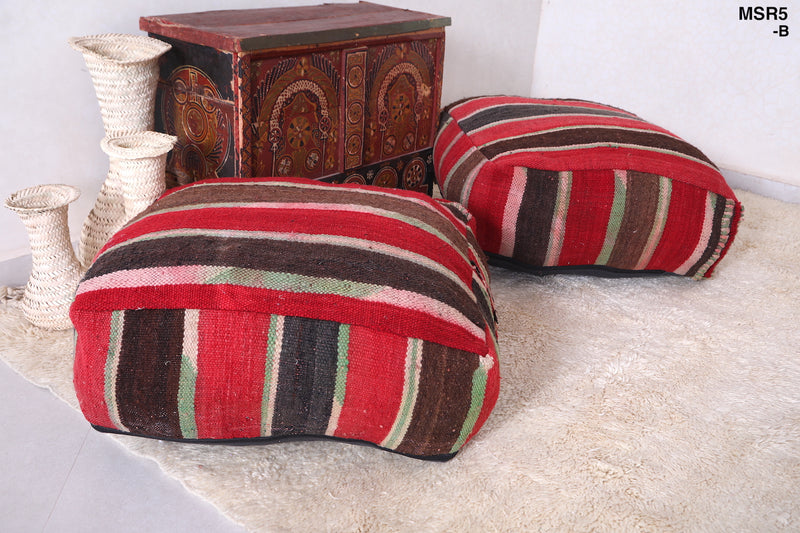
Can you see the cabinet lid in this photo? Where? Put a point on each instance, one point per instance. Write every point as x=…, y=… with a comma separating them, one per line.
x=243, y=30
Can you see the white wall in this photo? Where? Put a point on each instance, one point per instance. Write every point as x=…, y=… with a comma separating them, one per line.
x=51, y=128
x=730, y=87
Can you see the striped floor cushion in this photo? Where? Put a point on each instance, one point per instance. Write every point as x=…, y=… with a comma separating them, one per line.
x=272, y=309
x=559, y=185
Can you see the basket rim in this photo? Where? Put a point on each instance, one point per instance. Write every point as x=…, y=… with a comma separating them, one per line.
x=138, y=145
x=55, y=195
x=149, y=47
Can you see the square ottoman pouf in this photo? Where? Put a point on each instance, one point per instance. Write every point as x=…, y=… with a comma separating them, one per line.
x=560, y=185
x=257, y=310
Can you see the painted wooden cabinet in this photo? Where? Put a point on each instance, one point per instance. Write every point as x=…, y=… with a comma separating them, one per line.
x=338, y=92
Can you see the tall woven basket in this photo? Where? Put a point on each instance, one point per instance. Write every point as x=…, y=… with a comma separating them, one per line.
x=124, y=71
x=56, y=271
x=140, y=159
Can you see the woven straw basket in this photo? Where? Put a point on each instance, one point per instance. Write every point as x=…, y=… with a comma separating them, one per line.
x=124, y=70
x=56, y=272
x=140, y=159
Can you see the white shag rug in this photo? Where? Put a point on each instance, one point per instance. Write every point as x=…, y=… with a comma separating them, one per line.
x=626, y=404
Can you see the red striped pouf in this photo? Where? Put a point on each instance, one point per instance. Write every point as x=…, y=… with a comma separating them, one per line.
x=272, y=309
x=559, y=185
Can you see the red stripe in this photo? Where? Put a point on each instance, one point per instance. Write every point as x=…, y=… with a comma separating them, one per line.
x=375, y=380
x=683, y=227
x=91, y=351
x=675, y=167
x=487, y=202
x=591, y=199
x=444, y=138
x=232, y=352
x=380, y=316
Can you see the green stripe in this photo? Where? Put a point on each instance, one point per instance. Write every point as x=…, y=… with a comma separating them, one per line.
x=186, y=394
x=285, y=281
x=406, y=410
x=342, y=364
x=479, y=379
x=340, y=382
x=112, y=360
x=614, y=220
x=273, y=354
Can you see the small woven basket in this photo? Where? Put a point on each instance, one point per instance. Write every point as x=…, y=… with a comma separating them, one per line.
x=56, y=271
x=140, y=159
x=124, y=70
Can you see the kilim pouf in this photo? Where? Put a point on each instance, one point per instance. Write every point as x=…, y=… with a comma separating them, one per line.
x=559, y=185
x=249, y=310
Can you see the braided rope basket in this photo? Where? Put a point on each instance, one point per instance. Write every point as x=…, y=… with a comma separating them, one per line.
x=140, y=159
x=56, y=271
x=124, y=70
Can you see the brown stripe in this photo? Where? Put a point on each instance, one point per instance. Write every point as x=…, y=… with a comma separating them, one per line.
x=581, y=136
x=716, y=231
x=641, y=204
x=458, y=175
x=148, y=374
x=245, y=194
x=534, y=222
x=502, y=112
x=443, y=400
x=308, y=259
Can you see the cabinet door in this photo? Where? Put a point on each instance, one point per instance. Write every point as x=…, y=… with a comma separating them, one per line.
x=296, y=124
x=194, y=102
x=400, y=92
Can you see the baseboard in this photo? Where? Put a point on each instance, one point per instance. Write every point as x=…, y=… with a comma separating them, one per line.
x=763, y=186
x=14, y=272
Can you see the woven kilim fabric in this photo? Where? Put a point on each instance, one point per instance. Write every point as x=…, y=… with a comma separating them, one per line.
x=566, y=183
x=268, y=309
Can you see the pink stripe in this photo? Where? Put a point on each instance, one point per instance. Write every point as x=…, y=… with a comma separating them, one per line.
x=511, y=211
x=144, y=277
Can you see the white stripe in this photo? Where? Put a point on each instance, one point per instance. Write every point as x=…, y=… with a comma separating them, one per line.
x=449, y=177
x=191, y=320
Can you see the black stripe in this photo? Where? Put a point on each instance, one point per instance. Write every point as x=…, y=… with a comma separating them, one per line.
x=306, y=377
x=583, y=136
x=713, y=240
x=535, y=221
